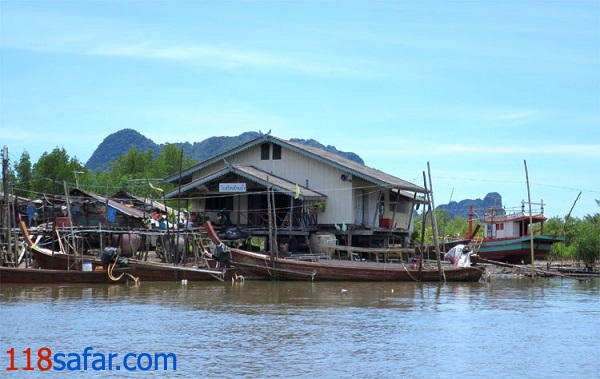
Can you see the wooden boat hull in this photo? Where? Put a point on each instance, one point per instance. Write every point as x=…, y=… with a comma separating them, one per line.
x=145, y=271
x=255, y=266
x=259, y=266
x=516, y=250
x=44, y=276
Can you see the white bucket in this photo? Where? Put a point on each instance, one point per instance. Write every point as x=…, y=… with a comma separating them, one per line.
x=86, y=266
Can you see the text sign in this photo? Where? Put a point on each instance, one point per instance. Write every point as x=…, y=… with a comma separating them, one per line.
x=232, y=187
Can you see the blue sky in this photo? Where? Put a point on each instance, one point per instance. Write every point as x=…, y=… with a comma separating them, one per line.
x=475, y=88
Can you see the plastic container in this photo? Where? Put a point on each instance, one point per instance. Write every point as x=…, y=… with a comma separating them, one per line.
x=385, y=223
x=86, y=265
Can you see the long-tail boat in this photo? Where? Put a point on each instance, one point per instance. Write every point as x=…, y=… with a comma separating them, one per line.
x=42, y=276
x=143, y=270
x=253, y=265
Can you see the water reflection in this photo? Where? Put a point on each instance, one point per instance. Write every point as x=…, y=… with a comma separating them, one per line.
x=303, y=329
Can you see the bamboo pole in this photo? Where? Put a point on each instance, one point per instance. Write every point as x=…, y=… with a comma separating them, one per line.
x=6, y=208
x=569, y=214
x=274, y=208
x=435, y=228
x=177, y=256
x=69, y=215
x=423, y=229
x=270, y=219
x=13, y=216
x=530, y=223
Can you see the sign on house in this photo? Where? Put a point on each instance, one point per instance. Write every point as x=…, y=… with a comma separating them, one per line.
x=232, y=187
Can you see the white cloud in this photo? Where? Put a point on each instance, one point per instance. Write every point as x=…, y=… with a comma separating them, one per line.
x=220, y=57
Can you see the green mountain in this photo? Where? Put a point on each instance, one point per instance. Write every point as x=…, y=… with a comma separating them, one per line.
x=119, y=143
x=461, y=208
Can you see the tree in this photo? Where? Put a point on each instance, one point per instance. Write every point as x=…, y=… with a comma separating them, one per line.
x=132, y=172
x=127, y=168
x=587, y=241
x=23, y=176
x=555, y=226
x=52, y=169
x=560, y=251
x=457, y=227
x=169, y=162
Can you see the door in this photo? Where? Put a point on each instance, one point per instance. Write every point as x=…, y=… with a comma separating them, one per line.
x=359, y=207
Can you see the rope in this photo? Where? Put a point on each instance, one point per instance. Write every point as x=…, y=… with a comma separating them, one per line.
x=408, y=272
x=112, y=277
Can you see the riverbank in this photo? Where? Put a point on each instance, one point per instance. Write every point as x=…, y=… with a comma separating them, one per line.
x=542, y=268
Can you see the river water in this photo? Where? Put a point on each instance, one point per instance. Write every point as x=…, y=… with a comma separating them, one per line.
x=507, y=328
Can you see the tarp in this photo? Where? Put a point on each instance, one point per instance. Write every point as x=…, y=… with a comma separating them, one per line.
x=459, y=256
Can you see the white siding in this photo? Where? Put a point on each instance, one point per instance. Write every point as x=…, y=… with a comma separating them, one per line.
x=341, y=202
x=310, y=173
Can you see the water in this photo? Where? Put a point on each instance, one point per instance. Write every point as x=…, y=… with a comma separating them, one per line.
x=502, y=329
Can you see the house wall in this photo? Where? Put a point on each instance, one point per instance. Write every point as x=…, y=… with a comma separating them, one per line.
x=342, y=201
x=398, y=211
x=312, y=174
x=373, y=195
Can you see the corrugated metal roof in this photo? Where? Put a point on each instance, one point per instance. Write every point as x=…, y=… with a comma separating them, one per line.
x=130, y=211
x=256, y=175
x=144, y=201
x=191, y=170
x=356, y=169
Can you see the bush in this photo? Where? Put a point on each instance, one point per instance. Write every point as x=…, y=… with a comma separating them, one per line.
x=587, y=243
x=560, y=251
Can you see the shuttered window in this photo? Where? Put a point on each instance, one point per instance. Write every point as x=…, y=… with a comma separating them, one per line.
x=264, y=151
x=276, y=152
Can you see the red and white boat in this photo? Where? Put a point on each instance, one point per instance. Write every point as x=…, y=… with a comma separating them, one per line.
x=507, y=236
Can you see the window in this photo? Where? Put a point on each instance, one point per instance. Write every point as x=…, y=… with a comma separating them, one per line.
x=397, y=203
x=264, y=151
x=276, y=152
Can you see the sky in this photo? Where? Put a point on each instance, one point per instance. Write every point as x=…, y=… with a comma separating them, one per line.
x=471, y=91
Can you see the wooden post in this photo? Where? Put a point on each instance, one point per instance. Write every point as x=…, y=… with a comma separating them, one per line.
x=569, y=214
x=270, y=219
x=530, y=223
x=70, y=225
x=15, y=234
x=69, y=216
x=435, y=228
x=375, y=222
x=423, y=229
x=412, y=210
x=5, y=211
x=276, y=247
x=177, y=256
x=291, y=214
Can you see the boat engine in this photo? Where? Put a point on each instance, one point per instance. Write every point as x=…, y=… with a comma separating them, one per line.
x=110, y=256
x=222, y=253
x=233, y=233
